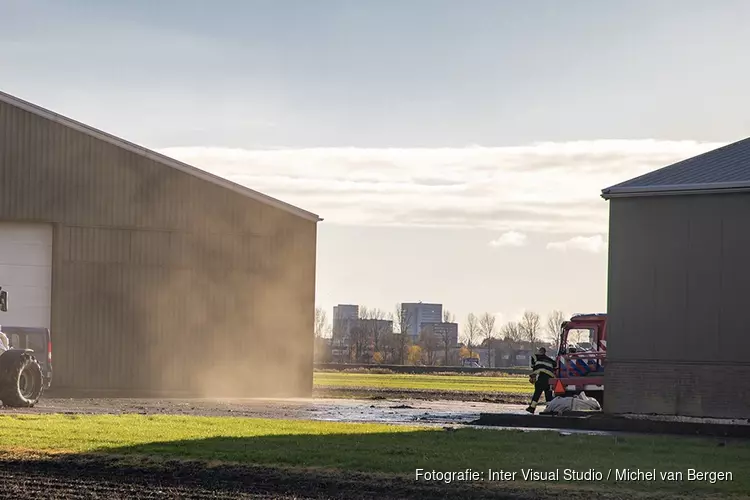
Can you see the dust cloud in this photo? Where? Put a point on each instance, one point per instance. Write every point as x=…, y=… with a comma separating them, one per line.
x=246, y=303
x=163, y=283
x=222, y=305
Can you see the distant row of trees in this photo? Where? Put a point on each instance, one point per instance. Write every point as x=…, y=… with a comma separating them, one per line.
x=481, y=330
x=371, y=341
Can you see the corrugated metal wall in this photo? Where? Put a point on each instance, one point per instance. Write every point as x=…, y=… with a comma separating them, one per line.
x=679, y=283
x=161, y=280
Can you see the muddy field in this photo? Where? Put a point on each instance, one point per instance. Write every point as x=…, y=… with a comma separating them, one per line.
x=398, y=411
x=68, y=481
x=100, y=477
x=422, y=394
x=109, y=478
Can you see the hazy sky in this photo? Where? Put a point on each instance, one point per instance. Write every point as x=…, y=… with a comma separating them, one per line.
x=455, y=149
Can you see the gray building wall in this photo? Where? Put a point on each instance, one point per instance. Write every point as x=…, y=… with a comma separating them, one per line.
x=442, y=331
x=678, y=304
x=344, y=317
x=417, y=313
x=161, y=281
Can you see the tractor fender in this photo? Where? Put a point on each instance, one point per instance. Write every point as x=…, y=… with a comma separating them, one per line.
x=9, y=358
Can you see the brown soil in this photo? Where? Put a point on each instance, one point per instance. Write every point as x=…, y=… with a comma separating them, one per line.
x=424, y=394
x=72, y=477
x=397, y=410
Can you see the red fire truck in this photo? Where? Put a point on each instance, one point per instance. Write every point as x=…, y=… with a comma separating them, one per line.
x=581, y=356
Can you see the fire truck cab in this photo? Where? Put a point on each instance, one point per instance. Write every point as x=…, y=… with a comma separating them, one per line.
x=581, y=356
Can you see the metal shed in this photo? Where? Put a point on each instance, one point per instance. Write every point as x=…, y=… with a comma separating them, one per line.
x=679, y=288
x=153, y=276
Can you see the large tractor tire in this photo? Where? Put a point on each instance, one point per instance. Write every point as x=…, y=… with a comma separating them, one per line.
x=21, y=379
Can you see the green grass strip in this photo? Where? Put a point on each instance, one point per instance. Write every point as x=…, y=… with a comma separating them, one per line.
x=384, y=448
x=507, y=384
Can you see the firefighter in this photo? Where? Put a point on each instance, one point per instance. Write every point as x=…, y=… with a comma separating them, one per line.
x=542, y=367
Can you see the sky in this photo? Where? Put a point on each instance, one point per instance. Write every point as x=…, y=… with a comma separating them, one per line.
x=455, y=150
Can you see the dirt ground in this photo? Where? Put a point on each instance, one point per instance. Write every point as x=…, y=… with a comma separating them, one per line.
x=424, y=394
x=397, y=411
x=33, y=480
x=88, y=477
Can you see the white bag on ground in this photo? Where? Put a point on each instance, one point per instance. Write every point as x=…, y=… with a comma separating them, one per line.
x=580, y=402
x=4, y=342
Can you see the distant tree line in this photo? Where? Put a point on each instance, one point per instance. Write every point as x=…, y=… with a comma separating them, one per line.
x=376, y=337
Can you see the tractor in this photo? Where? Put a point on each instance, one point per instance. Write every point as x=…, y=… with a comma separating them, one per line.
x=581, y=357
x=23, y=378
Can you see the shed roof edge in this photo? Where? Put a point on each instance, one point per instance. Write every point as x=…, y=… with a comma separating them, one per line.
x=678, y=189
x=158, y=157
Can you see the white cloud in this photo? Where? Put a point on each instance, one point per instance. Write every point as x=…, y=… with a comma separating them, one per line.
x=509, y=239
x=593, y=244
x=546, y=187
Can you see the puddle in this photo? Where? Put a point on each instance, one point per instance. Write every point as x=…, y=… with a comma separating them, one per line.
x=391, y=411
x=422, y=412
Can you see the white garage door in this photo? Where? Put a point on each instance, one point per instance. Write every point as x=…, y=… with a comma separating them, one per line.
x=26, y=273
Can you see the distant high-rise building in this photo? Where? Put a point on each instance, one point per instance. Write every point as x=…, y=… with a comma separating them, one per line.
x=442, y=332
x=345, y=317
x=417, y=313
